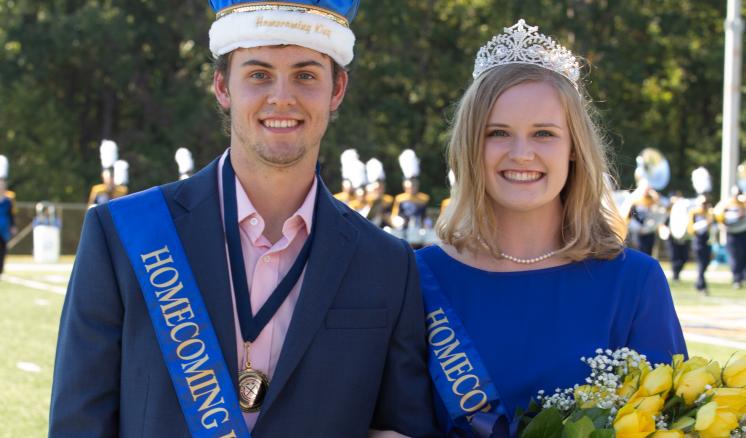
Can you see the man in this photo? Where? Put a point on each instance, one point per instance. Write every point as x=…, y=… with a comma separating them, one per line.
x=341, y=351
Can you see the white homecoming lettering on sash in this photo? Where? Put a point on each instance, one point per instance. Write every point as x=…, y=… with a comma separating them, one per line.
x=455, y=364
x=157, y=255
x=181, y=326
x=177, y=312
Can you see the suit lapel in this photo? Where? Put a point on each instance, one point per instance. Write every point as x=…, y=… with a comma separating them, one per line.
x=195, y=207
x=332, y=250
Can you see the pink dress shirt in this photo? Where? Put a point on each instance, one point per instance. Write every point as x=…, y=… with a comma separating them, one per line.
x=266, y=264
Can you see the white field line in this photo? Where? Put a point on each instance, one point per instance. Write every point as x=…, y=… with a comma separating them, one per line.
x=714, y=276
x=34, y=284
x=39, y=267
x=724, y=322
x=715, y=341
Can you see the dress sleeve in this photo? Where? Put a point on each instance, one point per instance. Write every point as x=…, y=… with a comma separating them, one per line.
x=655, y=329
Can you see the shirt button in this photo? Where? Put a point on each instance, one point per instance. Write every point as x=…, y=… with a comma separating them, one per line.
x=267, y=259
x=254, y=221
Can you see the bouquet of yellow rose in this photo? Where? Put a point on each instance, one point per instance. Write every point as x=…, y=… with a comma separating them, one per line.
x=625, y=396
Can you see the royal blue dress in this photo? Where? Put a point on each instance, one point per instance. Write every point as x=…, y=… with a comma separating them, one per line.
x=531, y=328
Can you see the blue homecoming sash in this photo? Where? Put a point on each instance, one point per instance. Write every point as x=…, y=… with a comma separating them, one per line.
x=182, y=325
x=459, y=375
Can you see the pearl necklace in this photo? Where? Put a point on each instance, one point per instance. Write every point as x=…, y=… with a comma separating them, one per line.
x=528, y=261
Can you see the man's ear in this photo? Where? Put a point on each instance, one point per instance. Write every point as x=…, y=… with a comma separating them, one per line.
x=340, y=88
x=220, y=84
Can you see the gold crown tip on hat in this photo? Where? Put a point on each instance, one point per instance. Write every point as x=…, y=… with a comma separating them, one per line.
x=523, y=44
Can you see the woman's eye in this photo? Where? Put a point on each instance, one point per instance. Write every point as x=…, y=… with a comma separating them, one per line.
x=497, y=133
x=544, y=133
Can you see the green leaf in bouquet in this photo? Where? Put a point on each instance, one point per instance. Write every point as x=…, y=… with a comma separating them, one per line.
x=673, y=403
x=693, y=411
x=684, y=424
x=602, y=433
x=533, y=407
x=578, y=429
x=524, y=416
x=598, y=416
x=548, y=424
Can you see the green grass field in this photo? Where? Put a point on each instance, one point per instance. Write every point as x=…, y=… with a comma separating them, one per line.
x=29, y=320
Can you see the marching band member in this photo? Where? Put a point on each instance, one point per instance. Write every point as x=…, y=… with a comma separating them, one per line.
x=679, y=240
x=731, y=214
x=121, y=176
x=185, y=162
x=107, y=190
x=410, y=207
x=348, y=156
x=643, y=220
x=380, y=203
x=356, y=175
x=700, y=224
x=7, y=211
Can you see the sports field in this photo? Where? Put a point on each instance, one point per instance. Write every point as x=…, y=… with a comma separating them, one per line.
x=32, y=297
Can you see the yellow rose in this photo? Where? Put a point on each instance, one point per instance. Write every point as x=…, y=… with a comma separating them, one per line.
x=629, y=386
x=691, y=378
x=734, y=373
x=677, y=360
x=732, y=399
x=668, y=434
x=658, y=381
x=715, y=422
x=650, y=405
x=630, y=423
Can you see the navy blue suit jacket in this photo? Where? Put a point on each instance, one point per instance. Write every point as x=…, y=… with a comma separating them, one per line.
x=354, y=357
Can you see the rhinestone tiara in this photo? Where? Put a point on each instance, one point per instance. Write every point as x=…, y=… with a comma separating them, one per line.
x=523, y=44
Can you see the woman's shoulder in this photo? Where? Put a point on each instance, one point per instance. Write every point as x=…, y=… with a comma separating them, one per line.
x=431, y=255
x=628, y=267
x=631, y=258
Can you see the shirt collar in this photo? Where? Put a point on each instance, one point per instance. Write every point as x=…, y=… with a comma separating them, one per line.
x=302, y=216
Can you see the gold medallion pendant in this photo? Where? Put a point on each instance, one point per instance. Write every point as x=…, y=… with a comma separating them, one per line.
x=252, y=386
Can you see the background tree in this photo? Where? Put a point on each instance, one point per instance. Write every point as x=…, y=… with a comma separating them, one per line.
x=75, y=71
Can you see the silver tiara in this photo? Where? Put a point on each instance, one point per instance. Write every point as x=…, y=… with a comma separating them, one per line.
x=523, y=44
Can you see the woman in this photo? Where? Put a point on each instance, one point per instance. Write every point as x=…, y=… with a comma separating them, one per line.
x=531, y=274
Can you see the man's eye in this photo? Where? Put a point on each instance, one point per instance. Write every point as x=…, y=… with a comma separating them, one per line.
x=497, y=133
x=260, y=75
x=305, y=76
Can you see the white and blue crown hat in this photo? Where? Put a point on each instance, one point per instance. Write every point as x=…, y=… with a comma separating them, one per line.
x=321, y=25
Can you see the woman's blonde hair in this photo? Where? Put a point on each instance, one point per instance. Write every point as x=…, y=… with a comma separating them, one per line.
x=591, y=224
